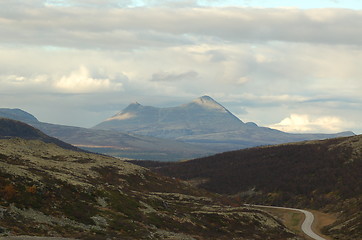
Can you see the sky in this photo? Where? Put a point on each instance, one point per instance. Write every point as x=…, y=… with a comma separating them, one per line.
x=291, y=65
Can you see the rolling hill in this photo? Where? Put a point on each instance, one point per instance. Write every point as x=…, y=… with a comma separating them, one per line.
x=49, y=191
x=324, y=175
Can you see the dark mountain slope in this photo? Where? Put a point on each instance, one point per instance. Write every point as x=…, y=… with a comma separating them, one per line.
x=49, y=191
x=318, y=174
x=11, y=129
x=17, y=114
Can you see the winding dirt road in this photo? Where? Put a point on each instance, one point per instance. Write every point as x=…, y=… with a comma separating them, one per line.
x=307, y=224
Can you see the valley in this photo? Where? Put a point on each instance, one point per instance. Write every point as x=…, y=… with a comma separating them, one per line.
x=180, y=120
x=210, y=197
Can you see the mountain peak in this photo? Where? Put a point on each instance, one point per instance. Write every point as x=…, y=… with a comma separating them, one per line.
x=127, y=113
x=209, y=102
x=132, y=107
x=207, y=98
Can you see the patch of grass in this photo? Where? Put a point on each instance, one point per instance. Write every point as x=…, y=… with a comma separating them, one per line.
x=295, y=220
x=126, y=227
x=124, y=204
x=79, y=211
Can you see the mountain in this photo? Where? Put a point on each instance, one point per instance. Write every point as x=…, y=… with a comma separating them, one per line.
x=48, y=191
x=112, y=142
x=203, y=122
x=324, y=175
x=202, y=116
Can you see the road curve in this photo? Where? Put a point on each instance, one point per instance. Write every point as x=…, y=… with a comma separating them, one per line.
x=307, y=224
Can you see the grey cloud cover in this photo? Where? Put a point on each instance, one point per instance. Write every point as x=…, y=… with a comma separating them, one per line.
x=166, y=76
x=139, y=27
x=264, y=64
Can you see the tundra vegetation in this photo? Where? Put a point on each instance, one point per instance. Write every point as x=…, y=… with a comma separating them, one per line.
x=323, y=175
x=46, y=190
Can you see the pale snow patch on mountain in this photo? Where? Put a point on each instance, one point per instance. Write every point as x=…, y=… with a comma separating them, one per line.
x=122, y=116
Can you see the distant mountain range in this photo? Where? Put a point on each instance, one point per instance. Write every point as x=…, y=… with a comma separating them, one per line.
x=112, y=142
x=200, y=128
x=203, y=122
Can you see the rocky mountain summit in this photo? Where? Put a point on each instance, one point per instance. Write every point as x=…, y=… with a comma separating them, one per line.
x=49, y=191
x=203, y=122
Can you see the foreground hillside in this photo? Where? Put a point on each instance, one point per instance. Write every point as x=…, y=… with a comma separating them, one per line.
x=323, y=175
x=46, y=190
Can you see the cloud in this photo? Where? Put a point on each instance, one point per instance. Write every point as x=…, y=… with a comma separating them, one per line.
x=170, y=77
x=21, y=83
x=298, y=123
x=171, y=3
x=90, y=3
x=81, y=81
x=136, y=28
x=14, y=79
